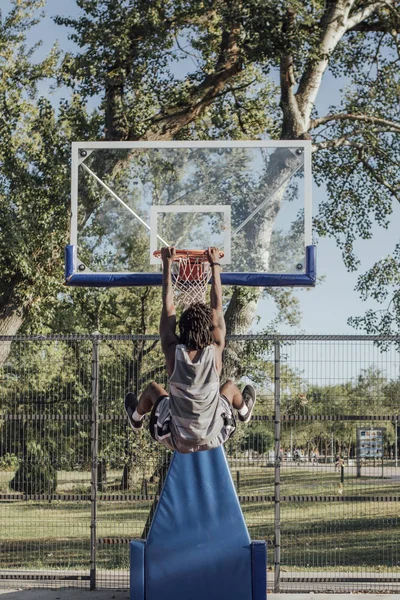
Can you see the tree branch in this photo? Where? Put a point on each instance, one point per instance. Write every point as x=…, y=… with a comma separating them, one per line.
x=229, y=63
x=239, y=113
x=375, y=27
x=375, y=174
x=363, y=14
x=337, y=143
x=293, y=124
x=286, y=63
x=394, y=35
x=392, y=126
x=332, y=26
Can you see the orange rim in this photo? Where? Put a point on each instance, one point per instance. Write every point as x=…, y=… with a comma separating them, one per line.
x=198, y=255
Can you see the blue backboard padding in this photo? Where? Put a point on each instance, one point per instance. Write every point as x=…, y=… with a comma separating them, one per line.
x=259, y=569
x=198, y=546
x=137, y=570
x=69, y=262
x=73, y=278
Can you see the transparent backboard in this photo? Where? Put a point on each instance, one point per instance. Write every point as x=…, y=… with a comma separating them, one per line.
x=251, y=199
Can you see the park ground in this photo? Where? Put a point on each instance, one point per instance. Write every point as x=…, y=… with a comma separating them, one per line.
x=349, y=533
x=124, y=595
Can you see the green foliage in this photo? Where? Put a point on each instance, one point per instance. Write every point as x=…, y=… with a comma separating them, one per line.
x=359, y=162
x=133, y=67
x=8, y=462
x=35, y=478
x=198, y=70
x=382, y=283
x=257, y=439
x=53, y=379
x=30, y=389
x=34, y=157
x=368, y=394
x=36, y=473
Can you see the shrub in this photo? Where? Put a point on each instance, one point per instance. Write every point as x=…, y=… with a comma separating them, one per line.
x=8, y=462
x=257, y=439
x=35, y=474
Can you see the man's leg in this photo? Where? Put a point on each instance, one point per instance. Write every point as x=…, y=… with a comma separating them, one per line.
x=136, y=409
x=232, y=394
x=243, y=403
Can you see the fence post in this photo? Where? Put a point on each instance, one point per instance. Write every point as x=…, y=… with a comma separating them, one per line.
x=95, y=460
x=277, y=436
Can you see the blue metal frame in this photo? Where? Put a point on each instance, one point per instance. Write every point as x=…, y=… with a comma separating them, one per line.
x=74, y=278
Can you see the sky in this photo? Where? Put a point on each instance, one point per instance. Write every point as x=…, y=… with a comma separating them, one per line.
x=326, y=308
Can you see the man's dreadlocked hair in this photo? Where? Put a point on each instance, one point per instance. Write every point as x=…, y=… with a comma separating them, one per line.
x=195, y=326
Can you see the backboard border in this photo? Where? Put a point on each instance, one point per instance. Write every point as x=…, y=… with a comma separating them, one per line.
x=74, y=278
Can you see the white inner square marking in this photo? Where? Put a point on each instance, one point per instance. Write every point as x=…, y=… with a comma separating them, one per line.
x=191, y=228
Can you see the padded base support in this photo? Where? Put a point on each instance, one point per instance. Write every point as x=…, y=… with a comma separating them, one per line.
x=198, y=546
x=137, y=570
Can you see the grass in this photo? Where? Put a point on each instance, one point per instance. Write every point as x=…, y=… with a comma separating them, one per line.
x=335, y=535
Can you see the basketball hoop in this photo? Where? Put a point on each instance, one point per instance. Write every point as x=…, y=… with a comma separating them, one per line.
x=191, y=273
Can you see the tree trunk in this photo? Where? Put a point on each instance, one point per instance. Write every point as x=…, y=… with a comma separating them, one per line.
x=102, y=475
x=244, y=302
x=131, y=476
x=238, y=318
x=11, y=319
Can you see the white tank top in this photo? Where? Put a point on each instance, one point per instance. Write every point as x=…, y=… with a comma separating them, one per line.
x=196, y=412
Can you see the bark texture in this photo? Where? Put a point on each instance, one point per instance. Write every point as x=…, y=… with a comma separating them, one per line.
x=11, y=319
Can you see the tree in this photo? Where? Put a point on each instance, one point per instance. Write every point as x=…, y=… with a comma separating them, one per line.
x=65, y=383
x=371, y=393
x=353, y=142
x=34, y=155
x=48, y=385
x=125, y=65
x=126, y=57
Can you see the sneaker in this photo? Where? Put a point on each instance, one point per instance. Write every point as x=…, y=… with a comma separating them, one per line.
x=249, y=398
x=131, y=403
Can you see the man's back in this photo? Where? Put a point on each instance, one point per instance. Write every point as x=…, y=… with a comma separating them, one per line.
x=194, y=394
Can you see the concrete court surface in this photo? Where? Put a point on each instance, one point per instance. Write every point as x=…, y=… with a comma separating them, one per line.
x=70, y=594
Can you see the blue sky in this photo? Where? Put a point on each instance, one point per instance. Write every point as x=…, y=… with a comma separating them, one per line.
x=326, y=308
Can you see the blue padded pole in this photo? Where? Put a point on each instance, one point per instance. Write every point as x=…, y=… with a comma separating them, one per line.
x=198, y=546
x=259, y=569
x=137, y=570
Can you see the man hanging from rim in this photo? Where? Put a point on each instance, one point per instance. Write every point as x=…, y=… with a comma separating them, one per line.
x=198, y=412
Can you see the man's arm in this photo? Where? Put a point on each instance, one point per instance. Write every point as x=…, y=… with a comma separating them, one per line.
x=218, y=321
x=169, y=339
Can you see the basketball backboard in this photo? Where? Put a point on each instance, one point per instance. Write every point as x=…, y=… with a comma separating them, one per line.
x=252, y=199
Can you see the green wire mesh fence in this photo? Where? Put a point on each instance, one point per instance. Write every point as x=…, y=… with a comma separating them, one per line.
x=317, y=470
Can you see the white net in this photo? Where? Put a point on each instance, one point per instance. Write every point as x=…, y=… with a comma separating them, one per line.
x=190, y=277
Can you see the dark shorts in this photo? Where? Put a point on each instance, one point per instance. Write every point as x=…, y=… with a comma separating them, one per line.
x=155, y=413
x=160, y=431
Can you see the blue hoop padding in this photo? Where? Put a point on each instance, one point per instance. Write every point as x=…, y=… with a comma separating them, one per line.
x=198, y=545
x=137, y=569
x=259, y=569
x=74, y=278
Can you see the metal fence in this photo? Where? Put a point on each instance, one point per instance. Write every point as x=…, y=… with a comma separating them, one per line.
x=316, y=470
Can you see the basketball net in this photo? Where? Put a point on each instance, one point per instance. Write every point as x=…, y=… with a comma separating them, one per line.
x=190, y=274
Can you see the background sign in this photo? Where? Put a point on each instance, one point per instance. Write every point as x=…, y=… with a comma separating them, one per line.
x=370, y=442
